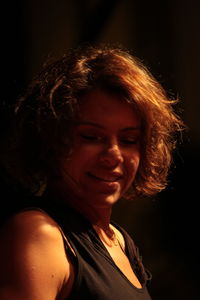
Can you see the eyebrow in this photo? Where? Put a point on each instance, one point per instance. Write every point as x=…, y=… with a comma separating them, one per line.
x=102, y=127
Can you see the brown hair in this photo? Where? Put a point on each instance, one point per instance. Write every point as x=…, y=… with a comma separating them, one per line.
x=45, y=113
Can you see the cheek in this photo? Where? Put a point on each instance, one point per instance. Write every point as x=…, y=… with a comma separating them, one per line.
x=132, y=166
x=131, y=171
x=79, y=161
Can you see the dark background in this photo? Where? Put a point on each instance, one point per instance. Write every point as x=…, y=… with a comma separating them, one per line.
x=165, y=36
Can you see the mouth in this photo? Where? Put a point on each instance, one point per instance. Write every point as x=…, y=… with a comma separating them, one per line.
x=107, y=178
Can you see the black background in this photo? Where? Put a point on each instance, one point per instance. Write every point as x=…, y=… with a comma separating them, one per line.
x=165, y=36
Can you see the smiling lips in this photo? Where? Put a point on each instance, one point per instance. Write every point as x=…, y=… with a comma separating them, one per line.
x=114, y=177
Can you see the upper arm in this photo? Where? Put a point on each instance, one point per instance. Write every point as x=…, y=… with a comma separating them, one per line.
x=33, y=264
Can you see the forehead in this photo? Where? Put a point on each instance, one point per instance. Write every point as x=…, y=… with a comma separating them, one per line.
x=102, y=106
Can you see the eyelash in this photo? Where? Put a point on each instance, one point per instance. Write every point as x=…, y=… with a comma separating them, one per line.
x=94, y=138
x=90, y=137
x=130, y=142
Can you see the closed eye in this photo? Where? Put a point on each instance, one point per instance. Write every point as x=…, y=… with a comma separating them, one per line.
x=129, y=141
x=90, y=137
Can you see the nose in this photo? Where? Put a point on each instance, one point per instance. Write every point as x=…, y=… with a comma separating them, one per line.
x=111, y=156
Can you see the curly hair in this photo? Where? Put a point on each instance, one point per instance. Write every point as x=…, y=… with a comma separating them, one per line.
x=44, y=114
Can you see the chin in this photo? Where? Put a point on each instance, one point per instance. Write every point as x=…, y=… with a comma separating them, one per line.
x=105, y=200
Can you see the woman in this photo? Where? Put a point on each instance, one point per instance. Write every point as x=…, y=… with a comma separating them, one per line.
x=94, y=126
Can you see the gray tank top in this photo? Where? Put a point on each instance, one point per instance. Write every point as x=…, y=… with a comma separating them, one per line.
x=97, y=276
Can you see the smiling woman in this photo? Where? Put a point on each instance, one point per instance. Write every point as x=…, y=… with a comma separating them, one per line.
x=106, y=149
x=94, y=126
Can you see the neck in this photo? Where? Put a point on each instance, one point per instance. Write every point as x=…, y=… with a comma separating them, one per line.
x=96, y=215
x=99, y=216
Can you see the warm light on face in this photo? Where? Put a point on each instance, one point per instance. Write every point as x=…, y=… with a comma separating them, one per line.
x=106, y=149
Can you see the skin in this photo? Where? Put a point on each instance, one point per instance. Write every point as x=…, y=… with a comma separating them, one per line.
x=105, y=155
x=102, y=166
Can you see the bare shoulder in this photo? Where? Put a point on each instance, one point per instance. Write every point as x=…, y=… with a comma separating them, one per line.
x=30, y=226
x=32, y=256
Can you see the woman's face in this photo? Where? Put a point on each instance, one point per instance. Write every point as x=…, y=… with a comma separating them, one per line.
x=106, y=149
